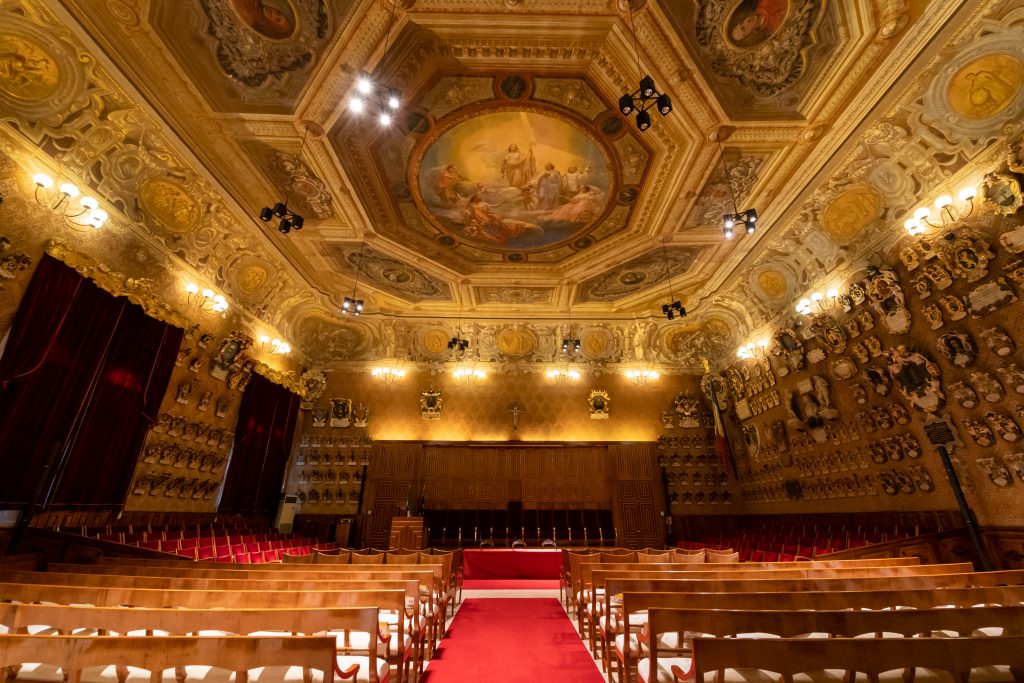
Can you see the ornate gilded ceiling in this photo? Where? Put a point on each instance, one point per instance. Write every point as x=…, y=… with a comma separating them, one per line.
x=510, y=190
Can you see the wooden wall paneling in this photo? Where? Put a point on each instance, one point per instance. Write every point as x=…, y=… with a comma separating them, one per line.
x=389, y=486
x=639, y=500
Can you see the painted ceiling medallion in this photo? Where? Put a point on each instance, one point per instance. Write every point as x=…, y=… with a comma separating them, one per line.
x=758, y=43
x=513, y=179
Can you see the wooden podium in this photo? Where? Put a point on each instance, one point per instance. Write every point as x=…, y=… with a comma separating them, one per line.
x=406, y=533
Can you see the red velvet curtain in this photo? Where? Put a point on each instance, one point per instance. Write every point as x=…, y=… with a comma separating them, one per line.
x=80, y=382
x=263, y=440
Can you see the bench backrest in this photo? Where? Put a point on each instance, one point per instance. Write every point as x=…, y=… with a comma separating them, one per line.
x=122, y=620
x=345, y=583
x=233, y=653
x=199, y=599
x=870, y=656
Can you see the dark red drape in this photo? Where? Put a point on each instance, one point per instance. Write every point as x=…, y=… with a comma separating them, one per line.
x=263, y=439
x=80, y=381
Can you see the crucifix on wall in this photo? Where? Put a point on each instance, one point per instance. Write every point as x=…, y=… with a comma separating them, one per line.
x=516, y=411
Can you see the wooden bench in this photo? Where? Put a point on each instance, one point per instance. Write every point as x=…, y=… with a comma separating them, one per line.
x=430, y=575
x=873, y=657
x=640, y=596
x=596, y=575
x=573, y=560
x=105, y=596
x=353, y=628
x=73, y=654
x=744, y=627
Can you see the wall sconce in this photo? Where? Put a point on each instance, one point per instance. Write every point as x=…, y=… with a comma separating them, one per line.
x=388, y=375
x=642, y=377
x=752, y=350
x=563, y=375
x=205, y=300
x=824, y=302
x=948, y=214
x=466, y=376
x=275, y=346
x=88, y=214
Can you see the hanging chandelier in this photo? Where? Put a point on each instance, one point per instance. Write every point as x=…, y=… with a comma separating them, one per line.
x=646, y=96
x=747, y=218
x=372, y=98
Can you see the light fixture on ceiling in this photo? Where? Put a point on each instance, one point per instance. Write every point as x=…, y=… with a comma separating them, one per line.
x=275, y=346
x=674, y=307
x=289, y=219
x=647, y=95
x=947, y=212
x=747, y=218
x=457, y=343
x=205, y=300
x=388, y=375
x=351, y=305
x=570, y=344
x=642, y=376
x=86, y=215
x=375, y=99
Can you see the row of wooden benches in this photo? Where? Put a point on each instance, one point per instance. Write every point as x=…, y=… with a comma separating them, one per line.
x=177, y=598
x=614, y=599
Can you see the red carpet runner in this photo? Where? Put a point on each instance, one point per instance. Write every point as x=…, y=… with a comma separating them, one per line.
x=512, y=640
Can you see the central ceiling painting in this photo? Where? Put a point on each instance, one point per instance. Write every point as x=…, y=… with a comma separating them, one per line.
x=512, y=179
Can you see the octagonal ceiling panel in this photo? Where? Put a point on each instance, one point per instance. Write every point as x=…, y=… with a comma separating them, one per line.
x=502, y=168
x=252, y=55
x=761, y=57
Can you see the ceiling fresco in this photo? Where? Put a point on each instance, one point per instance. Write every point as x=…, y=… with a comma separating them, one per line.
x=511, y=192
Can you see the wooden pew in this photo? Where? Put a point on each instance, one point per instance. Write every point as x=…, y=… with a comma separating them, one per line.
x=594, y=575
x=640, y=596
x=410, y=589
x=874, y=656
x=232, y=653
x=431, y=575
x=107, y=596
x=789, y=624
x=353, y=628
x=576, y=587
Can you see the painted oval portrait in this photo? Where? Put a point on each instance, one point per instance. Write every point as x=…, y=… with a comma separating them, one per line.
x=514, y=181
x=754, y=21
x=274, y=19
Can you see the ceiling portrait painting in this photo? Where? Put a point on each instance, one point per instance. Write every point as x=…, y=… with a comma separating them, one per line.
x=274, y=19
x=755, y=21
x=518, y=180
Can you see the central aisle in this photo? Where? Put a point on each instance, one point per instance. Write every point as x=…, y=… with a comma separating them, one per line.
x=512, y=640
